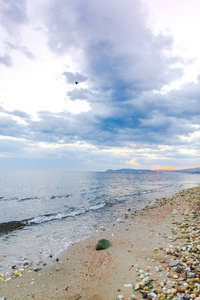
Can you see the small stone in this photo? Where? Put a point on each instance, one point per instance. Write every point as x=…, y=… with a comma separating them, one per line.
x=178, y=270
x=14, y=267
x=174, y=262
x=37, y=269
x=7, y=279
x=145, y=280
x=162, y=284
x=174, y=291
x=152, y=295
x=169, y=291
x=128, y=285
x=184, y=275
x=137, y=286
x=185, y=284
x=103, y=244
x=144, y=295
x=181, y=290
x=190, y=280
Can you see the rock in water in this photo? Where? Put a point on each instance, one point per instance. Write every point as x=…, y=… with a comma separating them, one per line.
x=103, y=244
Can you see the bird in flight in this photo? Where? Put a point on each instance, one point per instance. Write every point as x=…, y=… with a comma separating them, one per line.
x=76, y=82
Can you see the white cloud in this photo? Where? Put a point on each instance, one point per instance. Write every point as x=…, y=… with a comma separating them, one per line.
x=132, y=162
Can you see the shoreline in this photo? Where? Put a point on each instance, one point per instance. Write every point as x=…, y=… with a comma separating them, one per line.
x=139, y=243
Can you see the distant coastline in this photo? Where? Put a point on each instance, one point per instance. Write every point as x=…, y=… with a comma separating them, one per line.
x=142, y=171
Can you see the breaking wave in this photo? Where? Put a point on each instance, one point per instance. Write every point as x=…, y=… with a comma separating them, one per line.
x=7, y=227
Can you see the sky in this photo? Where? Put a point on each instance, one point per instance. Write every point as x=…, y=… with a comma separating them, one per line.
x=137, y=104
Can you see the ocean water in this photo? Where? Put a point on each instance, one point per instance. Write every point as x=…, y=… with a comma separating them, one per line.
x=43, y=212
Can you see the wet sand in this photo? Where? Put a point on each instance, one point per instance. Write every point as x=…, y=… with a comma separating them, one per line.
x=136, y=266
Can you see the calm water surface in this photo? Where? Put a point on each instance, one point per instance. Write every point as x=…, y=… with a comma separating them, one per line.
x=43, y=212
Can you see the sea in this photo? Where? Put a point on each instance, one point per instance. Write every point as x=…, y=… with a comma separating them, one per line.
x=43, y=212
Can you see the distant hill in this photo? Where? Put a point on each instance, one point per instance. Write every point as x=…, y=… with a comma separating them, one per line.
x=189, y=170
x=141, y=171
x=131, y=171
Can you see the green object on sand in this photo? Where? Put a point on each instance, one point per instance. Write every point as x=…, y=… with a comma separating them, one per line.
x=103, y=244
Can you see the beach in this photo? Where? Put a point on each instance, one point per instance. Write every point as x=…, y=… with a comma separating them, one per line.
x=154, y=254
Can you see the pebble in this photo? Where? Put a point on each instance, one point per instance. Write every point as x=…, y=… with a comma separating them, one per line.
x=173, y=263
x=128, y=285
x=182, y=280
x=137, y=286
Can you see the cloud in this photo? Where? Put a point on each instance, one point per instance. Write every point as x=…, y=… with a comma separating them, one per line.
x=13, y=13
x=22, y=49
x=124, y=63
x=6, y=60
x=132, y=162
x=20, y=114
x=119, y=105
x=79, y=94
x=121, y=56
x=13, y=18
x=72, y=77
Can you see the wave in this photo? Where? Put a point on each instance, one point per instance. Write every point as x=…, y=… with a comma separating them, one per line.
x=27, y=199
x=60, y=196
x=32, y=198
x=72, y=212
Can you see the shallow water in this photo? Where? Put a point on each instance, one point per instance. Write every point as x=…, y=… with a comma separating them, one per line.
x=43, y=212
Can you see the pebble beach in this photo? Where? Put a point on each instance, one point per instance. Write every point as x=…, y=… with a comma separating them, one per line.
x=155, y=254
